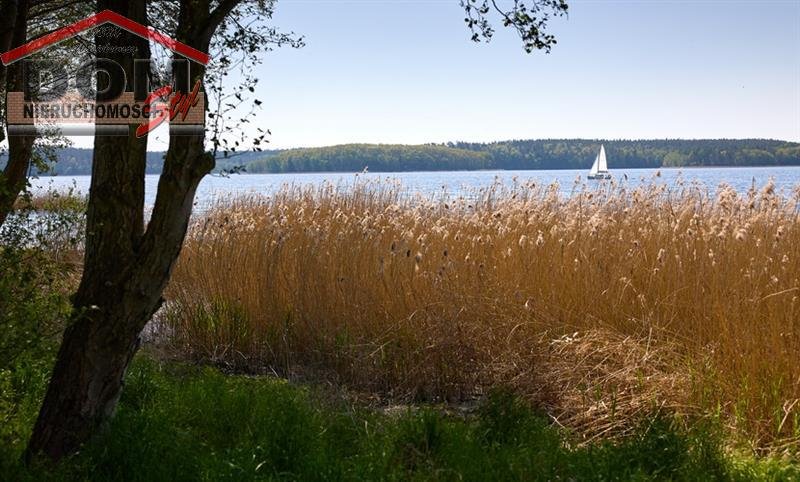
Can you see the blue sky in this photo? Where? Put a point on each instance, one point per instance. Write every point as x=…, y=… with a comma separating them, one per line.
x=404, y=71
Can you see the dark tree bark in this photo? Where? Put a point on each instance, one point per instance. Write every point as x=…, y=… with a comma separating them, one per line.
x=102, y=335
x=20, y=148
x=126, y=268
x=7, y=22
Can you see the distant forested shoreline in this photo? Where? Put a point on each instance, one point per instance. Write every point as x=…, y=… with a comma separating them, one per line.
x=532, y=154
x=503, y=155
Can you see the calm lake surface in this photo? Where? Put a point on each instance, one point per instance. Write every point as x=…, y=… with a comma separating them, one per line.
x=453, y=182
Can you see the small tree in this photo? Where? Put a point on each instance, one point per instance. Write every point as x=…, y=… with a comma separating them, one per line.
x=21, y=20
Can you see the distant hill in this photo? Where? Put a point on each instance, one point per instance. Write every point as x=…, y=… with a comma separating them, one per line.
x=532, y=154
x=73, y=161
x=376, y=157
x=514, y=154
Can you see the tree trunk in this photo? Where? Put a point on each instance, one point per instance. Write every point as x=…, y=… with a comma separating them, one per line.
x=125, y=268
x=107, y=318
x=7, y=22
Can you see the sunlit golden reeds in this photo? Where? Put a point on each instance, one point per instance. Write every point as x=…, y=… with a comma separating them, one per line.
x=610, y=299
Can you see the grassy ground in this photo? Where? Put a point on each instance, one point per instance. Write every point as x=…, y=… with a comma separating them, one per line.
x=177, y=422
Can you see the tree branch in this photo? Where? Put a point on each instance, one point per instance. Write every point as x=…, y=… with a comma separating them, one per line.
x=217, y=16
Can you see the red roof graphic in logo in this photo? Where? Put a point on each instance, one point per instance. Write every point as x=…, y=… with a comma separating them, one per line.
x=101, y=18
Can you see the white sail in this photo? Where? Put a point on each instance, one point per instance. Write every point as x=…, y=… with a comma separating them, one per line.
x=595, y=166
x=602, y=166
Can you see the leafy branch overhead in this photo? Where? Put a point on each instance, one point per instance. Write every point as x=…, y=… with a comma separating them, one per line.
x=242, y=37
x=528, y=17
x=239, y=47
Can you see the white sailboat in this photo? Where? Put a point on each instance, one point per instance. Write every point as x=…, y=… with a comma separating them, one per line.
x=599, y=169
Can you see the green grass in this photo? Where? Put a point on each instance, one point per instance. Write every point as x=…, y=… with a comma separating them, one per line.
x=177, y=422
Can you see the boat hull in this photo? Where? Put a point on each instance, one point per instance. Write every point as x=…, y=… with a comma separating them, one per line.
x=599, y=176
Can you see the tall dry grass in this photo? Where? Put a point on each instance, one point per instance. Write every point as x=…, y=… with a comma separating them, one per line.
x=599, y=305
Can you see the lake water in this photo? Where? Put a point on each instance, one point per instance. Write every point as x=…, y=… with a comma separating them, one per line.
x=454, y=182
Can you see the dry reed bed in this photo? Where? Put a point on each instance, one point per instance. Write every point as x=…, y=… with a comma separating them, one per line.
x=599, y=306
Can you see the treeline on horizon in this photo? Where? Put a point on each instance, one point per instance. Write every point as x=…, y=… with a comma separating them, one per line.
x=503, y=155
x=75, y=161
x=532, y=154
